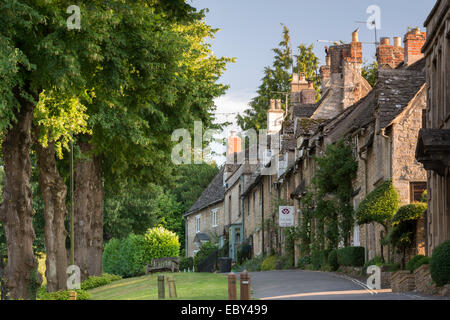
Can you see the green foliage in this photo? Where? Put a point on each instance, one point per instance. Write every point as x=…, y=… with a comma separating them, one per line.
x=244, y=252
x=204, y=252
x=424, y=197
x=269, y=263
x=417, y=261
x=253, y=265
x=161, y=243
x=440, y=264
x=186, y=263
x=303, y=261
x=351, y=256
x=94, y=281
x=283, y=263
x=370, y=73
x=333, y=260
x=61, y=295
x=277, y=81
x=379, y=206
x=376, y=261
x=125, y=257
x=409, y=212
x=334, y=176
x=292, y=234
x=392, y=267
x=319, y=258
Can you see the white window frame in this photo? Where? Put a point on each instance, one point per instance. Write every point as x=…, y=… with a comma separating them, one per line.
x=214, y=217
x=197, y=224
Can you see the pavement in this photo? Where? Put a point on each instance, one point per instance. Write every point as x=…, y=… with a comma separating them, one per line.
x=315, y=285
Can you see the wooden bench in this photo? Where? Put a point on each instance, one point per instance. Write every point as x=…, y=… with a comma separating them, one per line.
x=163, y=264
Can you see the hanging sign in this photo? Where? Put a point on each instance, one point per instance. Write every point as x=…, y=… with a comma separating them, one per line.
x=286, y=216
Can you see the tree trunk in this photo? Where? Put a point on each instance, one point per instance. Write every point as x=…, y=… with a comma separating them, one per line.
x=54, y=193
x=88, y=215
x=16, y=211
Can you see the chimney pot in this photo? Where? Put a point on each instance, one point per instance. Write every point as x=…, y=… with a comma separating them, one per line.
x=295, y=78
x=355, y=36
x=397, y=42
x=385, y=41
x=278, y=104
x=272, y=104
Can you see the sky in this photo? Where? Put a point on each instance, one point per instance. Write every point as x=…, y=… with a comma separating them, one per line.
x=250, y=29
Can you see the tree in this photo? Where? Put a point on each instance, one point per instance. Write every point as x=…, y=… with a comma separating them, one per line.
x=370, y=73
x=276, y=82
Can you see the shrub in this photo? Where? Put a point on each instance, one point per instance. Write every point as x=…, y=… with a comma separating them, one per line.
x=244, y=252
x=333, y=260
x=376, y=261
x=319, y=258
x=440, y=264
x=392, y=267
x=269, y=263
x=409, y=212
x=61, y=295
x=94, y=282
x=206, y=249
x=125, y=257
x=161, y=243
x=379, y=205
x=186, y=263
x=303, y=261
x=351, y=256
x=283, y=263
x=416, y=262
x=253, y=265
x=111, y=257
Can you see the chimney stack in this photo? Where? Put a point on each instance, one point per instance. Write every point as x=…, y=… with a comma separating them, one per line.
x=414, y=41
x=274, y=116
x=234, y=145
x=390, y=56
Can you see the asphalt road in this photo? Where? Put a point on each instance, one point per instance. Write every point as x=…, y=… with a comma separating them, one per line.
x=313, y=285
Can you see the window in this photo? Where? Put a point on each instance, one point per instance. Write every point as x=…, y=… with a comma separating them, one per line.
x=197, y=224
x=417, y=189
x=214, y=218
x=254, y=201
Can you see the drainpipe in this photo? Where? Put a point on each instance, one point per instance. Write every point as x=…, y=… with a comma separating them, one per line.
x=365, y=195
x=242, y=206
x=262, y=216
x=389, y=141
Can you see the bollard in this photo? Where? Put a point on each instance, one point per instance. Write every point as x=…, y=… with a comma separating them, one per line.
x=161, y=287
x=232, y=286
x=245, y=285
x=72, y=295
x=172, y=287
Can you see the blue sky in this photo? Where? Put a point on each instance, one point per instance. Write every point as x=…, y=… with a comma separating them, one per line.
x=249, y=29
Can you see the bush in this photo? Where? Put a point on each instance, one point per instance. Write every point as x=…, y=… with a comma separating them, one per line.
x=283, y=263
x=161, y=243
x=319, y=258
x=244, y=252
x=253, y=265
x=125, y=257
x=440, y=264
x=333, y=260
x=206, y=249
x=379, y=205
x=392, y=267
x=416, y=262
x=61, y=295
x=186, y=263
x=351, y=256
x=269, y=263
x=376, y=261
x=409, y=212
x=94, y=282
x=303, y=261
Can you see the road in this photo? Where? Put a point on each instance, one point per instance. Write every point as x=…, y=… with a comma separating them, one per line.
x=314, y=285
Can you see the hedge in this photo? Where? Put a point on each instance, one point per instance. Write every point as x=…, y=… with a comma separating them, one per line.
x=204, y=252
x=333, y=260
x=95, y=282
x=269, y=263
x=186, y=263
x=303, y=261
x=440, y=264
x=161, y=243
x=61, y=295
x=351, y=256
x=416, y=262
x=379, y=205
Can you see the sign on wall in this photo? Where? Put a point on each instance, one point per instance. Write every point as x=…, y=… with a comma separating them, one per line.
x=286, y=216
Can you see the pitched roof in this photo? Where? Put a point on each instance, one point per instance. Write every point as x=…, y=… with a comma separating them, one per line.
x=396, y=88
x=303, y=110
x=214, y=193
